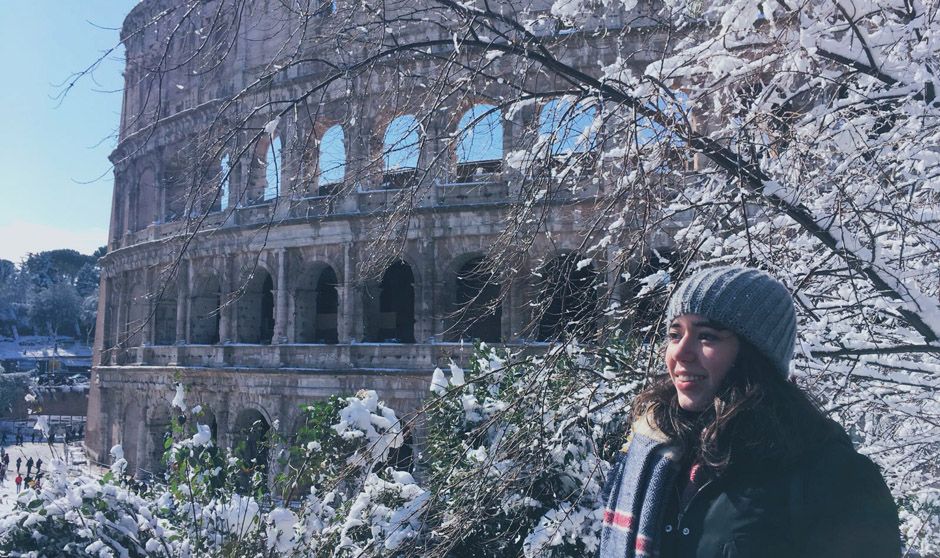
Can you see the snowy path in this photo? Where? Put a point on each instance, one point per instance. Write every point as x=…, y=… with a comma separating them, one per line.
x=38, y=450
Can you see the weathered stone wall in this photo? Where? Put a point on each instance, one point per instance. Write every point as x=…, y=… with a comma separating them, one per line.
x=139, y=412
x=199, y=287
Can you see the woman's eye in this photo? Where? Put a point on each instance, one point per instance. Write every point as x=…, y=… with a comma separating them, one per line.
x=708, y=337
x=674, y=335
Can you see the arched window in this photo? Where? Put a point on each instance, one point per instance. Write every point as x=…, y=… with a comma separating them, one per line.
x=204, y=311
x=480, y=146
x=164, y=318
x=400, y=152
x=256, y=310
x=397, y=305
x=478, y=311
x=327, y=307
x=272, y=169
x=146, y=196
x=676, y=108
x=567, y=297
x=332, y=159
x=224, y=180
x=251, y=436
x=316, y=309
x=569, y=127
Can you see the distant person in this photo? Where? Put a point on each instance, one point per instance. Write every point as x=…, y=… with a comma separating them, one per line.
x=3, y=439
x=38, y=466
x=19, y=461
x=19, y=483
x=19, y=438
x=32, y=436
x=29, y=467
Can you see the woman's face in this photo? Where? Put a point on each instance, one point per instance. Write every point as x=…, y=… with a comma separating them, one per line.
x=699, y=354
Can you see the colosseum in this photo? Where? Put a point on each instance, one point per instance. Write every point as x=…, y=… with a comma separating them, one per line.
x=289, y=223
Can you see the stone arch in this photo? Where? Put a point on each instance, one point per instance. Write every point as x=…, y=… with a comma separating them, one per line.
x=316, y=306
x=568, y=126
x=266, y=165
x=175, y=190
x=255, y=308
x=479, y=149
x=331, y=161
x=567, y=297
x=645, y=289
x=476, y=311
x=133, y=441
x=402, y=458
x=207, y=416
x=158, y=427
x=145, y=211
x=395, y=319
x=225, y=183
x=205, y=308
x=250, y=441
x=164, y=316
x=138, y=312
x=401, y=151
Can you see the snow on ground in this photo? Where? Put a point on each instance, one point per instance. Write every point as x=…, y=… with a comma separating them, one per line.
x=73, y=453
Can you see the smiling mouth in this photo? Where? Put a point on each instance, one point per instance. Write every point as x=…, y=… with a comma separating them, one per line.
x=685, y=378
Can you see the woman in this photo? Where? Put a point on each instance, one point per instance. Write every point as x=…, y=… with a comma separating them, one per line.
x=726, y=456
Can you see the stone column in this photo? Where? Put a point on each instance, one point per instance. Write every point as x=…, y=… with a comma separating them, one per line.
x=227, y=311
x=424, y=291
x=352, y=321
x=280, y=300
x=161, y=193
x=146, y=332
x=517, y=310
x=182, y=304
x=119, y=319
x=343, y=332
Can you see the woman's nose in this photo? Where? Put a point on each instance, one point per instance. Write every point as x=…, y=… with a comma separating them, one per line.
x=684, y=349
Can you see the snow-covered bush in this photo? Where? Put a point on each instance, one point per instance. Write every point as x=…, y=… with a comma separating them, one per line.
x=518, y=449
x=84, y=516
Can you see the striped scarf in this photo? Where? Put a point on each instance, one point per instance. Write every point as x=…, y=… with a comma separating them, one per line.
x=636, y=493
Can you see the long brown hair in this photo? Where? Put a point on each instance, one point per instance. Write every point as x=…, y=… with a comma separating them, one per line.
x=756, y=416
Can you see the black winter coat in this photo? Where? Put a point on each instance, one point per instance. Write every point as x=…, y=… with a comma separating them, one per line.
x=834, y=503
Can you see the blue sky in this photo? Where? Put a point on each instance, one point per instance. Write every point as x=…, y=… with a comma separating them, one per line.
x=55, y=188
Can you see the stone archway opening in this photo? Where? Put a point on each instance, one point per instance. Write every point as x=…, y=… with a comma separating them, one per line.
x=204, y=311
x=478, y=311
x=327, y=308
x=251, y=445
x=132, y=437
x=164, y=319
x=256, y=309
x=397, y=305
x=645, y=291
x=316, y=307
x=567, y=298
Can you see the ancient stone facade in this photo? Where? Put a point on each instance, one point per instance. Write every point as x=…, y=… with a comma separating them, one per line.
x=247, y=286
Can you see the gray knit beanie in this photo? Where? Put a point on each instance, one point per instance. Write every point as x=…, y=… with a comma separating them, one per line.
x=749, y=302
